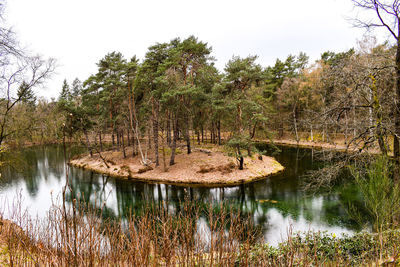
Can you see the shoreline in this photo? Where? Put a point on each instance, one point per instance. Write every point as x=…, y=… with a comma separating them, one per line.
x=338, y=147
x=202, y=169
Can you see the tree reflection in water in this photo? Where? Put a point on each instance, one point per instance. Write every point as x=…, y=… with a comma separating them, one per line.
x=272, y=204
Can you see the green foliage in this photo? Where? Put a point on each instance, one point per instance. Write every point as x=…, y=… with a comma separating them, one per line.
x=321, y=248
x=240, y=96
x=26, y=94
x=243, y=142
x=290, y=68
x=333, y=59
x=65, y=94
x=381, y=194
x=76, y=88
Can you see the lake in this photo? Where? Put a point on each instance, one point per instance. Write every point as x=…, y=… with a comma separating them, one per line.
x=276, y=204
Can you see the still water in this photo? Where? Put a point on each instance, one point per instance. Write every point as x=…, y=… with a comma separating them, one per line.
x=276, y=203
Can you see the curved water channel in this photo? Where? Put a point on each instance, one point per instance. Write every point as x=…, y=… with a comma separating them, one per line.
x=276, y=203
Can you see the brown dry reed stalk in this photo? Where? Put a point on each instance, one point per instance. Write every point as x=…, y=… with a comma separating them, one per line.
x=77, y=235
x=189, y=235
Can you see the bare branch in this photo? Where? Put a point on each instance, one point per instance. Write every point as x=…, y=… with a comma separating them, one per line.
x=378, y=7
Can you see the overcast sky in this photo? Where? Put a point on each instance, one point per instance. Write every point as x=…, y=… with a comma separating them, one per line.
x=78, y=33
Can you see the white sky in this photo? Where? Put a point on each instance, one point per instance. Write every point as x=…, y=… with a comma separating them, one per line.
x=78, y=33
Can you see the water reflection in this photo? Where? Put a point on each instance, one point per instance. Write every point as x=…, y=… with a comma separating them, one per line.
x=274, y=204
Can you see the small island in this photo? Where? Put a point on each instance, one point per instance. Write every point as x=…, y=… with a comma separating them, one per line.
x=203, y=167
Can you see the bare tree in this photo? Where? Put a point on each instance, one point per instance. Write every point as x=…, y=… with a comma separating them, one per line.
x=356, y=92
x=19, y=73
x=387, y=16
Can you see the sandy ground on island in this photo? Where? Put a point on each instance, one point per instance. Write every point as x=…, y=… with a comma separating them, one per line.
x=199, y=167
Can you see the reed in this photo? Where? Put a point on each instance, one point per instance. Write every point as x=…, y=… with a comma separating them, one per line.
x=194, y=235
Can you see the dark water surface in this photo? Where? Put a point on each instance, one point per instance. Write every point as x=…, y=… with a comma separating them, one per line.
x=276, y=203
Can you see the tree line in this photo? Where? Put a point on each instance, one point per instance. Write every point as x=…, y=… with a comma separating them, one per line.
x=177, y=94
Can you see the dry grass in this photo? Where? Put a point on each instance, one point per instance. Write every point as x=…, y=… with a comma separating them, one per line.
x=156, y=236
x=159, y=236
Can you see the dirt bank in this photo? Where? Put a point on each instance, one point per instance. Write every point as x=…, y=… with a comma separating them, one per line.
x=198, y=168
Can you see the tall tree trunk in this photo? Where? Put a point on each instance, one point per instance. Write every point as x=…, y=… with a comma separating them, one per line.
x=253, y=131
x=95, y=140
x=134, y=143
x=377, y=110
x=173, y=146
x=240, y=158
x=202, y=134
x=131, y=120
x=135, y=129
x=168, y=129
x=354, y=120
x=101, y=142
x=187, y=134
x=123, y=143
x=295, y=124
x=155, y=108
x=129, y=138
x=88, y=142
x=149, y=137
x=118, y=140
x=163, y=149
x=219, y=132
x=311, y=133
x=212, y=132
x=396, y=145
x=249, y=150
x=240, y=129
x=3, y=129
x=215, y=132
x=113, y=138
x=346, y=128
x=193, y=138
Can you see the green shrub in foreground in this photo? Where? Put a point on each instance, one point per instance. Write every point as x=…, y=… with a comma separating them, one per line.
x=315, y=248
